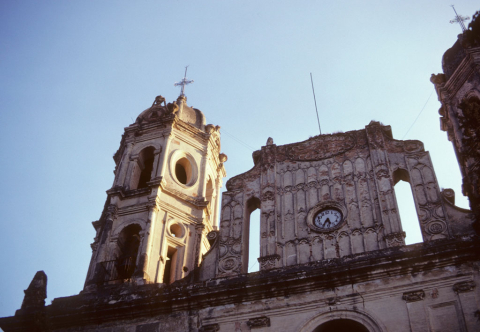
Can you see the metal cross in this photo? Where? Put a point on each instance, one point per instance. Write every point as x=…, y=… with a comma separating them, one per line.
x=459, y=19
x=183, y=82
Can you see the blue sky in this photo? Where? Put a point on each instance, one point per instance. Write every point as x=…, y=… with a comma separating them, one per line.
x=75, y=73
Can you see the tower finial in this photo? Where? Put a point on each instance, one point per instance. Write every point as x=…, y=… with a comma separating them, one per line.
x=459, y=19
x=183, y=82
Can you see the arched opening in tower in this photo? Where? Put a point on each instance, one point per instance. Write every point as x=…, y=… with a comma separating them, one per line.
x=147, y=157
x=251, y=231
x=128, y=244
x=406, y=207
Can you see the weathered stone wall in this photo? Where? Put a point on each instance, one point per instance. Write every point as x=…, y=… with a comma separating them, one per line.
x=424, y=287
x=355, y=172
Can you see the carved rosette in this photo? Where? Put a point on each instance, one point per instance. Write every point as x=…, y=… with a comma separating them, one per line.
x=229, y=265
x=436, y=227
x=464, y=286
x=268, y=262
x=230, y=256
x=258, y=322
x=395, y=239
x=413, y=296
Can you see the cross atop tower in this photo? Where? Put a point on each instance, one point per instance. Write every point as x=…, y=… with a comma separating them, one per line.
x=459, y=19
x=183, y=82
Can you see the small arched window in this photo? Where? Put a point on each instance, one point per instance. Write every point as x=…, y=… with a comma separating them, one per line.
x=142, y=172
x=128, y=244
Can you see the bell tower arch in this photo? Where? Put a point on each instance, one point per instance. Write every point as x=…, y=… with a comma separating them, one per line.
x=164, y=198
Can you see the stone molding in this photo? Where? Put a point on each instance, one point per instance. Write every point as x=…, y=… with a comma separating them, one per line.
x=210, y=328
x=258, y=322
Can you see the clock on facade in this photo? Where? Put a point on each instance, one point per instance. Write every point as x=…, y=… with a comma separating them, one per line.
x=326, y=216
x=327, y=219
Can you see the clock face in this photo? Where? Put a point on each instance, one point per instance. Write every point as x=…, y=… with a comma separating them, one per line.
x=327, y=219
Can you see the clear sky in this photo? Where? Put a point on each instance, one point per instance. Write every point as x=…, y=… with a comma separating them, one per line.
x=75, y=73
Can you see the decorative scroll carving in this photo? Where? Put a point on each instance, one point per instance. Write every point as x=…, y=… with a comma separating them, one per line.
x=258, y=322
x=395, y=239
x=464, y=286
x=212, y=237
x=210, y=328
x=449, y=195
x=268, y=262
x=413, y=296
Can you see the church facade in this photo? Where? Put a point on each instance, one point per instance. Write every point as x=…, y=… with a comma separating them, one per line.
x=170, y=254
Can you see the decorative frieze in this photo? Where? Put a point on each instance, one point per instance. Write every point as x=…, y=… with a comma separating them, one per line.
x=268, y=262
x=395, y=239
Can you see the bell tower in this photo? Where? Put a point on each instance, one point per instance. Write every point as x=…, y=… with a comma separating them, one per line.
x=164, y=198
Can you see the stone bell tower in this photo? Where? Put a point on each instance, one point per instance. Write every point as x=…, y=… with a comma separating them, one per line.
x=164, y=198
x=458, y=89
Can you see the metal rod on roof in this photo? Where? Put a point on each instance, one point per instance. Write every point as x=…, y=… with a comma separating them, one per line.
x=315, y=99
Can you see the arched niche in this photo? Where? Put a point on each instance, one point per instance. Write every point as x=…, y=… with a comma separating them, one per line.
x=325, y=321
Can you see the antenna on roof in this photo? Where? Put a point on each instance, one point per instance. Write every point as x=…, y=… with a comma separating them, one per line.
x=313, y=89
x=183, y=82
x=459, y=19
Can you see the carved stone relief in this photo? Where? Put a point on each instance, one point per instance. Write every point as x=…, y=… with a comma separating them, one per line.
x=351, y=169
x=464, y=286
x=413, y=296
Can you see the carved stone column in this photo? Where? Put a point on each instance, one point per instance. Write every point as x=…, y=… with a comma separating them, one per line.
x=156, y=163
x=131, y=168
x=141, y=272
x=198, y=243
x=468, y=302
x=109, y=217
x=394, y=235
x=268, y=199
x=123, y=166
x=164, y=156
x=416, y=310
